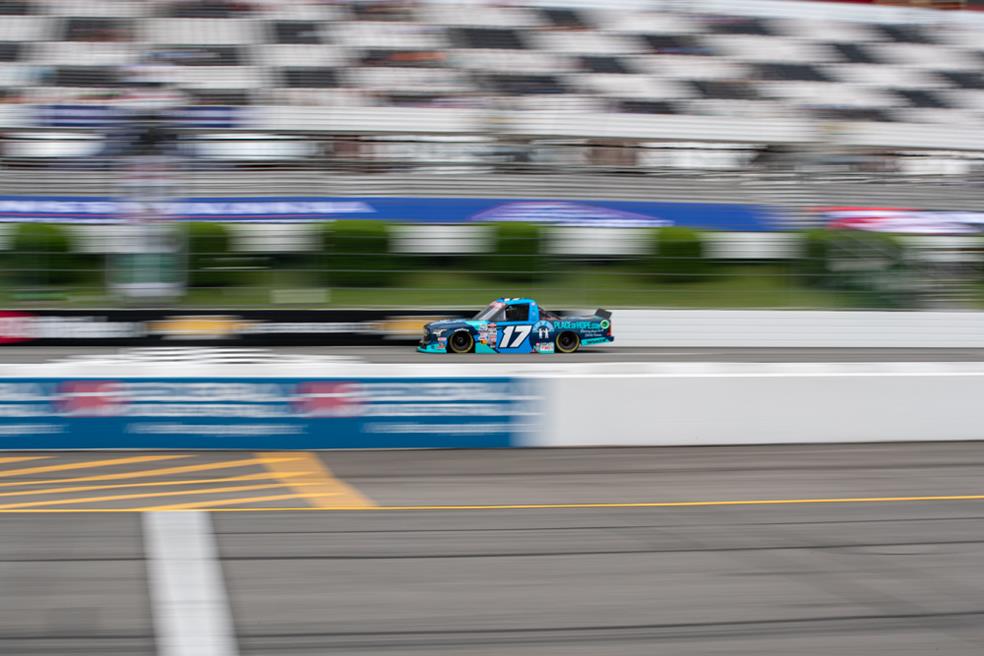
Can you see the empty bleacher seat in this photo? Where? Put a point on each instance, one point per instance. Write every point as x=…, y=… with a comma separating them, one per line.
x=15, y=8
x=634, y=106
x=963, y=79
x=85, y=76
x=756, y=48
x=103, y=8
x=423, y=79
x=826, y=93
x=220, y=77
x=404, y=36
x=935, y=115
x=836, y=31
x=634, y=86
x=692, y=68
x=676, y=44
x=841, y=113
x=902, y=77
x=29, y=28
x=738, y=25
x=585, y=43
x=98, y=28
x=920, y=55
x=487, y=38
x=382, y=11
x=295, y=32
x=200, y=31
x=648, y=22
x=198, y=55
x=922, y=98
x=512, y=61
x=80, y=53
x=793, y=72
x=484, y=15
x=905, y=33
x=11, y=51
x=308, y=11
x=21, y=75
x=565, y=18
x=854, y=53
x=309, y=77
x=281, y=55
x=603, y=64
x=725, y=89
x=207, y=9
x=965, y=98
x=515, y=84
x=220, y=96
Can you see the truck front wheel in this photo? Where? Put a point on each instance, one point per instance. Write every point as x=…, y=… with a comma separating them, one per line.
x=461, y=342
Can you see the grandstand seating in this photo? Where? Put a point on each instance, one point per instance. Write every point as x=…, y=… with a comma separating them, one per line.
x=600, y=59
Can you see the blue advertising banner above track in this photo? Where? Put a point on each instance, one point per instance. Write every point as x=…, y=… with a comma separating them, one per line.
x=102, y=116
x=263, y=413
x=607, y=213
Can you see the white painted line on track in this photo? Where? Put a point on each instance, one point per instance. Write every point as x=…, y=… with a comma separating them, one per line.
x=188, y=599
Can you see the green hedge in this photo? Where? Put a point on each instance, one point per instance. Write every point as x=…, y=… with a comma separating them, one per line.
x=357, y=254
x=517, y=252
x=41, y=255
x=813, y=263
x=210, y=258
x=870, y=265
x=677, y=255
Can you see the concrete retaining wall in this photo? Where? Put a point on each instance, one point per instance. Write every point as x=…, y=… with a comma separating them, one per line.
x=348, y=404
x=807, y=329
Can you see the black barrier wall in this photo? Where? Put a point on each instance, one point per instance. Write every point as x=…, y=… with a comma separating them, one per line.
x=163, y=327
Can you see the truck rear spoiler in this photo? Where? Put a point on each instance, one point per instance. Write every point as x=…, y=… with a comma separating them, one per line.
x=603, y=313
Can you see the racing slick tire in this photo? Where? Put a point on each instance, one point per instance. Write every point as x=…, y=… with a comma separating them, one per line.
x=461, y=342
x=567, y=342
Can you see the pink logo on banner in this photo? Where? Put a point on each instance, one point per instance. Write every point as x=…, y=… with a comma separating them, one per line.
x=90, y=398
x=329, y=399
x=15, y=327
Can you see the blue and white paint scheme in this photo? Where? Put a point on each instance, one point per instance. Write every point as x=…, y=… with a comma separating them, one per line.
x=517, y=325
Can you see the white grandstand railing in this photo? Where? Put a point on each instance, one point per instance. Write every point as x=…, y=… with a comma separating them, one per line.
x=548, y=124
x=769, y=9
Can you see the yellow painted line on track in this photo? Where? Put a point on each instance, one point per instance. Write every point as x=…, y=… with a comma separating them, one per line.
x=162, y=471
x=321, y=488
x=211, y=505
x=142, y=495
x=7, y=459
x=116, y=486
x=15, y=508
x=84, y=464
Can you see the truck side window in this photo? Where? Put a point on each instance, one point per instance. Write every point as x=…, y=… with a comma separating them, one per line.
x=518, y=312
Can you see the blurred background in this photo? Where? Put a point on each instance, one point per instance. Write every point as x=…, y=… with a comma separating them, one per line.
x=320, y=178
x=312, y=153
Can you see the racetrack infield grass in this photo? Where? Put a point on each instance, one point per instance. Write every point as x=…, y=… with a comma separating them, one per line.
x=737, y=286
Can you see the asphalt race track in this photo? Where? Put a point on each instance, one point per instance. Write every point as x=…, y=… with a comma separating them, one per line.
x=407, y=354
x=806, y=550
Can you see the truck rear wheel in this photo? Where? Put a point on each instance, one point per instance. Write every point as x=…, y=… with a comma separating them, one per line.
x=568, y=342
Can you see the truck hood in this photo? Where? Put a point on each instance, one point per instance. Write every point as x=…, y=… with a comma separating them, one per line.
x=443, y=323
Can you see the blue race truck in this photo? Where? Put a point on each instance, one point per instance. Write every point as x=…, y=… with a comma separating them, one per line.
x=517, y=325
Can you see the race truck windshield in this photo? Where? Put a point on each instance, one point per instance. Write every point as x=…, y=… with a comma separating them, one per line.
x=488, y=312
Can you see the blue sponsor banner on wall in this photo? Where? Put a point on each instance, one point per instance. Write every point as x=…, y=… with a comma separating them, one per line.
x=607, y=213
x=263, y=413
x=103, y=116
